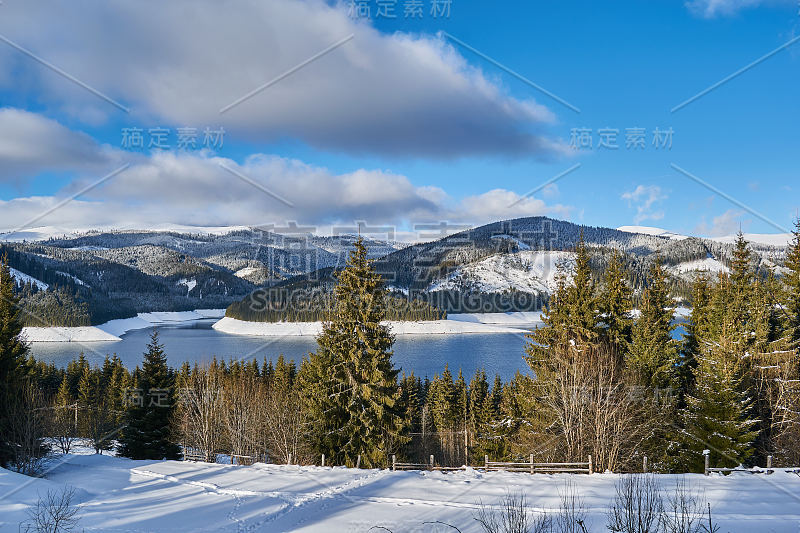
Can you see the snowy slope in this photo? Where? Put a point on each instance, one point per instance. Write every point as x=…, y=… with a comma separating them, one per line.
x=709, y=264
x=24, y=278
x=770, y=239
x=117, y=495
x=528, y=271
x=658, y=232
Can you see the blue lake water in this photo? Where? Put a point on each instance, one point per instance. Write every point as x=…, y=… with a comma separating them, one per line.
x=425, y=355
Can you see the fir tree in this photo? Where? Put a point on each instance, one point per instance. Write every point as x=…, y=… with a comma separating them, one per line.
x=147, y=435
x=13, y=352
x=697, y=328
x=791, y=280
x=654, y=354
x=615, y=306
x=716, y=416
x=350, y=384
x=582, y=303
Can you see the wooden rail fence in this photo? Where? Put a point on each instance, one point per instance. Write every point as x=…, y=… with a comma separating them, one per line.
x=716, y=470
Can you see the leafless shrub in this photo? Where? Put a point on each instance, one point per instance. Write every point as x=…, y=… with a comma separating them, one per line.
x=55, y=512
x=637, y=506
x=571, y=515
x=513, y=517
x=683, y=510
x=707, y=525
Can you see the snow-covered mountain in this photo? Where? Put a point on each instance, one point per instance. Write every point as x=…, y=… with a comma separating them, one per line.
x=119, y=273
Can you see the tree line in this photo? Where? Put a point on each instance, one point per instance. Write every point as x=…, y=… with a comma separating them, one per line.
x=605, y=380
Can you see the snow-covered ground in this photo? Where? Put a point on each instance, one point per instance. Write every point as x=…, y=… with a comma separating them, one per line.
x=112, y=330
x=120, y=495
x=299, y=329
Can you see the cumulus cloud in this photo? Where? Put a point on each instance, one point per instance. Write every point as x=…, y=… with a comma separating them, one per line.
x=31, y=144
x=202, y=188
x=181, y=62
x=646, y=198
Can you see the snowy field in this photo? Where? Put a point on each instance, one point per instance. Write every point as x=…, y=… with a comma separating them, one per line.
x=120, y=495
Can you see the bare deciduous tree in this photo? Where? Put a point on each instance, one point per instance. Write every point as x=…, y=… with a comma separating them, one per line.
x=584, y=403
x=200, y=409
x=26, y=430
x=283, y=425
x=243, y=398
x=60, y=422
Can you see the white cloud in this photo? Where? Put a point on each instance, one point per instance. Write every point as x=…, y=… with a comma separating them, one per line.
x=728, y=223
x=716, y=8
x=646, y=198
x=31, y=144
x=180, y=62
x=201, y=188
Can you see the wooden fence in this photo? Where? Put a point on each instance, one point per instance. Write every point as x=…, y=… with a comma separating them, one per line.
x=709, y=470
x=530, y=467
x=540, y=468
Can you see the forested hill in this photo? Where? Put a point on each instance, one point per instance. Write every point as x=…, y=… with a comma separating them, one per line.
x=512, y=266
x=99, y=276
x=94, y=277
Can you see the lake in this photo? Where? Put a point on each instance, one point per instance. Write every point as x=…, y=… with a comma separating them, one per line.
x=425, y=355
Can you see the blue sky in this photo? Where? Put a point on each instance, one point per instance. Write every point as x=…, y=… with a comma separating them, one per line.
x=401, y=124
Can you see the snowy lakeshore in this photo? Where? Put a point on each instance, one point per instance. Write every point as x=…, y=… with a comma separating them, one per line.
x=112, y=330
x=455, y=324
x=116, y=494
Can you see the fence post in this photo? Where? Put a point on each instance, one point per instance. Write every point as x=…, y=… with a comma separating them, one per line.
x=323, y=459
x=644, y=464
x=531, y=463
x=231, y=458
x=358, y=461
x=394, y=462
x=705, y=460
x=769, y=463
x=290, y=459
x=591, y=467
x=431, y=461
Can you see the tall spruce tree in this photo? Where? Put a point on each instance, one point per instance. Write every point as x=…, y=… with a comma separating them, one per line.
x=571, y=312
x=654, y=353
x=147, y=434
x=615, y=306
x=717, y=414
x=791, y=280
x=582, y=302
x=13, y=352
x=350, y=385
x=697, y=328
